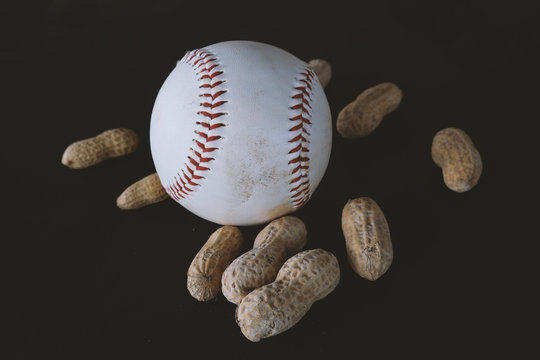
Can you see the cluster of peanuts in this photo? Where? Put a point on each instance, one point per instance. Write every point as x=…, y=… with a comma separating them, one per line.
x=275, y=283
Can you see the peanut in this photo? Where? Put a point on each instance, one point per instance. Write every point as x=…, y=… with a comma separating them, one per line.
x=109, y=144
x=144, y=192
x=453, y=150
x=279, y=240
x=367, y=238
x=305, y=278
x=204, y=273
x=323, y=70
x=364, y=114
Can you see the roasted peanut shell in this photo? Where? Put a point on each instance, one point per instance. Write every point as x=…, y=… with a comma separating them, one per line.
x=303, y=279
x=204, y=273
x=144, y=192
x=109, y=144
x=453, y=150
x=279, y=240
x=363, y=115
x=367, y=238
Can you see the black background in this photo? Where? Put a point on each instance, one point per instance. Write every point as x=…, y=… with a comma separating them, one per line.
x=89, y=281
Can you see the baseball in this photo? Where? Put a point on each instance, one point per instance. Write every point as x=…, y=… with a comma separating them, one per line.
x=241, y=133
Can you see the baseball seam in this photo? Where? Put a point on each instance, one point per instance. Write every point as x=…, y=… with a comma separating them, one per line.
x=299, y=183
x=211, y=86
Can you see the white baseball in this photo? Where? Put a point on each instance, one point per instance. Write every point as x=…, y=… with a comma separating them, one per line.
x=241, y=133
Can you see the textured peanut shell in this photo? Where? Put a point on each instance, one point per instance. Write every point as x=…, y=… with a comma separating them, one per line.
x=259, y=266
x=363, y=115
x=144, y=192
x=305, y=278
x=107, y=145
x=323, y=70
x=204, y=273
x=367, y=238
x=453, y=150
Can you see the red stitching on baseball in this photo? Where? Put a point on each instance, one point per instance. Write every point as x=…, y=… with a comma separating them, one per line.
x=208, y=138
x=299, y=137
x=300, y=192
x=210, y=68
x=211, y=76
x=211, y=106
x=212, y=117
x=299, y=167
x=216, y=95
x=299, y=159
x=207, y=65
x=211, y=86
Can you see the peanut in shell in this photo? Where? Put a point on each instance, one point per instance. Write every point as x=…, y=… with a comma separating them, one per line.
x=107, y=145
x=206, y=269
x=453, y=150
x=367, y=238
x=362, y=116
x=142, y=193
x=279, y=240
x=274, y=308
